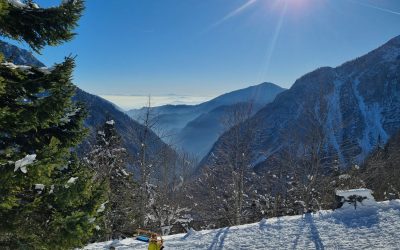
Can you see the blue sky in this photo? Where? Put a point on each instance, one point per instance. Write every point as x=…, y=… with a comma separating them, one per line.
x=208, y=47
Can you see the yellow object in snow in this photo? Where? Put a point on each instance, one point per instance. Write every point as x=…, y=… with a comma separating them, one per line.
x=154, y=245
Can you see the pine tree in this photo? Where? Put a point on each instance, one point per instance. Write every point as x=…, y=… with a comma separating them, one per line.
x=48, y=199
x=108, y=159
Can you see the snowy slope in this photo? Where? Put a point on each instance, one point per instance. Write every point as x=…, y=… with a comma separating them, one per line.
x=355, y=107
x=368, y=227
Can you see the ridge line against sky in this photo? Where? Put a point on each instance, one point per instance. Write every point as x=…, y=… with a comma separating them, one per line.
x=207, y=48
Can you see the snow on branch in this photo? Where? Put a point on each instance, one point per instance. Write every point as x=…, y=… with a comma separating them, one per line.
x=22, y=163
x=71, y=181
x=26, y=68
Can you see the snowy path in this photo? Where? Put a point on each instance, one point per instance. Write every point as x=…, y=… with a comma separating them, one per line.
x=376, y=227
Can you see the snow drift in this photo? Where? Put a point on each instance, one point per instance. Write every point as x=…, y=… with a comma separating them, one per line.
x=372, y=226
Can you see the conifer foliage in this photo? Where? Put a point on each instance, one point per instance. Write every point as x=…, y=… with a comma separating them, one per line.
x=39, y=26
x=48, y=199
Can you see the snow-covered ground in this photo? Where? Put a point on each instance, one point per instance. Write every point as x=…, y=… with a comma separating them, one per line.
x=369, y=227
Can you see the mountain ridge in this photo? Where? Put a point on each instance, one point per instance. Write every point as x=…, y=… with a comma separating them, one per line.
x=180, y=120
x=356, y=105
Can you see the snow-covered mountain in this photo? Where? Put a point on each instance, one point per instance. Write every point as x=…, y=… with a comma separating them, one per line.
x=350, y=109
x=19, y=56
x=195, y=128
x=368, y=227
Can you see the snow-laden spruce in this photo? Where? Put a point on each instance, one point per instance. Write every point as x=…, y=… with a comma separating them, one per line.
x=367, y=227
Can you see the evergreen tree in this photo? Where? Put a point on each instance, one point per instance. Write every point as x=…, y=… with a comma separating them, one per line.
x=108, y=159
x=48, y=200
x=39, y=26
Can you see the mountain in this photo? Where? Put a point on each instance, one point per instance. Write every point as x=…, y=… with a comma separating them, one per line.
x=199, y=135
x=195, y=128
x=19, y=56
x=350, y=110
x=99, y=110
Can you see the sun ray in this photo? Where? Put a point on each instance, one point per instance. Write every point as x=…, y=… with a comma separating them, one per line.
x=375, y=7
x=271, y=48
x=232, y=14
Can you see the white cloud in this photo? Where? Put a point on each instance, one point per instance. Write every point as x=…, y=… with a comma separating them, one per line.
x=127, y=102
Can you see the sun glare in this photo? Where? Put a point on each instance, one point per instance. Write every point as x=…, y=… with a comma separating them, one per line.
x=297, y=4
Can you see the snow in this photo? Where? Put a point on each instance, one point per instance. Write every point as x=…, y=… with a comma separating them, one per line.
x=20, y=4
x=124, y=172
x=369, y=201
x=71, y=181
x=110, y=122
x=372, y=116
x=68, y=1
x=368, y=227
x=17, y=3
x=14, y=66
x=334, y=119
x=344, y=177
x=102, y=207
x=27, y=68
x=22, y=163
x=45, y=70
x=69, y=115
x=39, y=188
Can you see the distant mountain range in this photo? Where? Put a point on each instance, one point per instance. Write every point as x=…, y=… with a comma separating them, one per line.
x=350, y=109
x=195, y=128
x=99, y=109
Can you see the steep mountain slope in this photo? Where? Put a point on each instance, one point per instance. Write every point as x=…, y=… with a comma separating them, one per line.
x=18, y=56
x=195, y=128
x=199, y=135
x=349, y=109
x=99, y=110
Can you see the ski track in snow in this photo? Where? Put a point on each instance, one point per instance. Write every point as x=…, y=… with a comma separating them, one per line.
x=368, y=227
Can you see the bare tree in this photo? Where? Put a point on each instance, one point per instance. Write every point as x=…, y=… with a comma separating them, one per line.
x=108, y=159
x=229, y=172
x=381, y=170
x=163, y=174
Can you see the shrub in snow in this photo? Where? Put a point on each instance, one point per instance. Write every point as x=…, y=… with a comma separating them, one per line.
x=354, y=197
